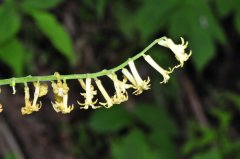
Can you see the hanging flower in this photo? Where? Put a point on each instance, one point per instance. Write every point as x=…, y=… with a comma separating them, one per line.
x=121, y=94
x=178, y=50
x=137, y=82
x=1, y=108
x=60, y=90
x=40, y=90
x=109, y=102
x=163, y=72
x=90, y=93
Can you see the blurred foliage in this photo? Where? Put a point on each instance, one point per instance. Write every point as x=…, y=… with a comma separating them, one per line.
x=144, y=129
x=12, y=13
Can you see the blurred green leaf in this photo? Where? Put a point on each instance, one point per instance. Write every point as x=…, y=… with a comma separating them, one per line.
x=162, y=128
x=163, y=143
x=203, y=50
x=233, y=98
x=223, y=116
x=13, y=54
x=133, y=146
x=40, y=4
x=101, y=5
x=109, y=120
x=200, y=26
x=199, y=138
x=148, y=19
x=10, y=22
x=55, y=32
x=210, y=154
x=226, y=7
x=152, y=116
x=10, y=156
x=237, y=21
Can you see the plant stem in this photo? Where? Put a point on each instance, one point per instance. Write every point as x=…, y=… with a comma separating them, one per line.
x=13, y=81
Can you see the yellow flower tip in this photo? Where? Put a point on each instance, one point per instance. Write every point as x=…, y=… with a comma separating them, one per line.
x=144, y=86
x=62, y=107
x=29, y=109
x=106, y=104
x=177, y=49
x=90, y=93
x=86, y=105
x=137, y=82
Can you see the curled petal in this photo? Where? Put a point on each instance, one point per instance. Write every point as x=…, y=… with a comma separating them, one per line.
x=177, y=49
x=137, y=82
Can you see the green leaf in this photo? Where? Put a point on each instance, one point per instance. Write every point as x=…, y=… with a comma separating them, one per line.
x=56, y=33
x=164, y=144
x=226, y=7
x=232, y=97
x=10, y=22
x=237, y=21
x=133, y=146
x=100, y=8
x=13, y=54
x=158, y=120
x=109, y=120
x=40, y=4
x=153, y=117
x=210, y=154
x=10, y=156
x=203, y=50
x=148, y=19
x=201, y=27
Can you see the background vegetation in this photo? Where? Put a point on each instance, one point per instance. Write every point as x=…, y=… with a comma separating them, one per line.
x=195, y=115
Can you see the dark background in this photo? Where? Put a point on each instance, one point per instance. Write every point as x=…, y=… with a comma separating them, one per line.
x=194, y=116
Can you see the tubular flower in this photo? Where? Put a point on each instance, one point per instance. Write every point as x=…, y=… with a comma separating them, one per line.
x=138, y=84
x=177, y=49
x=40, y=90
x=109, y=102
x=163, y=72
x=121, y=94
x=1, y=108
x=60, y=90
x=90, y=93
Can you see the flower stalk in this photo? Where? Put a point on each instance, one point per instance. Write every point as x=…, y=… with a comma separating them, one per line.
x=131, y=80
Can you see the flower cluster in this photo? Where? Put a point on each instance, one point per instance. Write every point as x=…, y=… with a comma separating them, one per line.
x=130, y=79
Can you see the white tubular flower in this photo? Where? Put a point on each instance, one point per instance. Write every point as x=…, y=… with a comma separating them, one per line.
x=163, y=72
x=60, y=91
x=90, y=92
x=121, y=94
x=1, y=108
x=177, y=49
x=40, y=90
x=109, y=101
x=138, y=84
